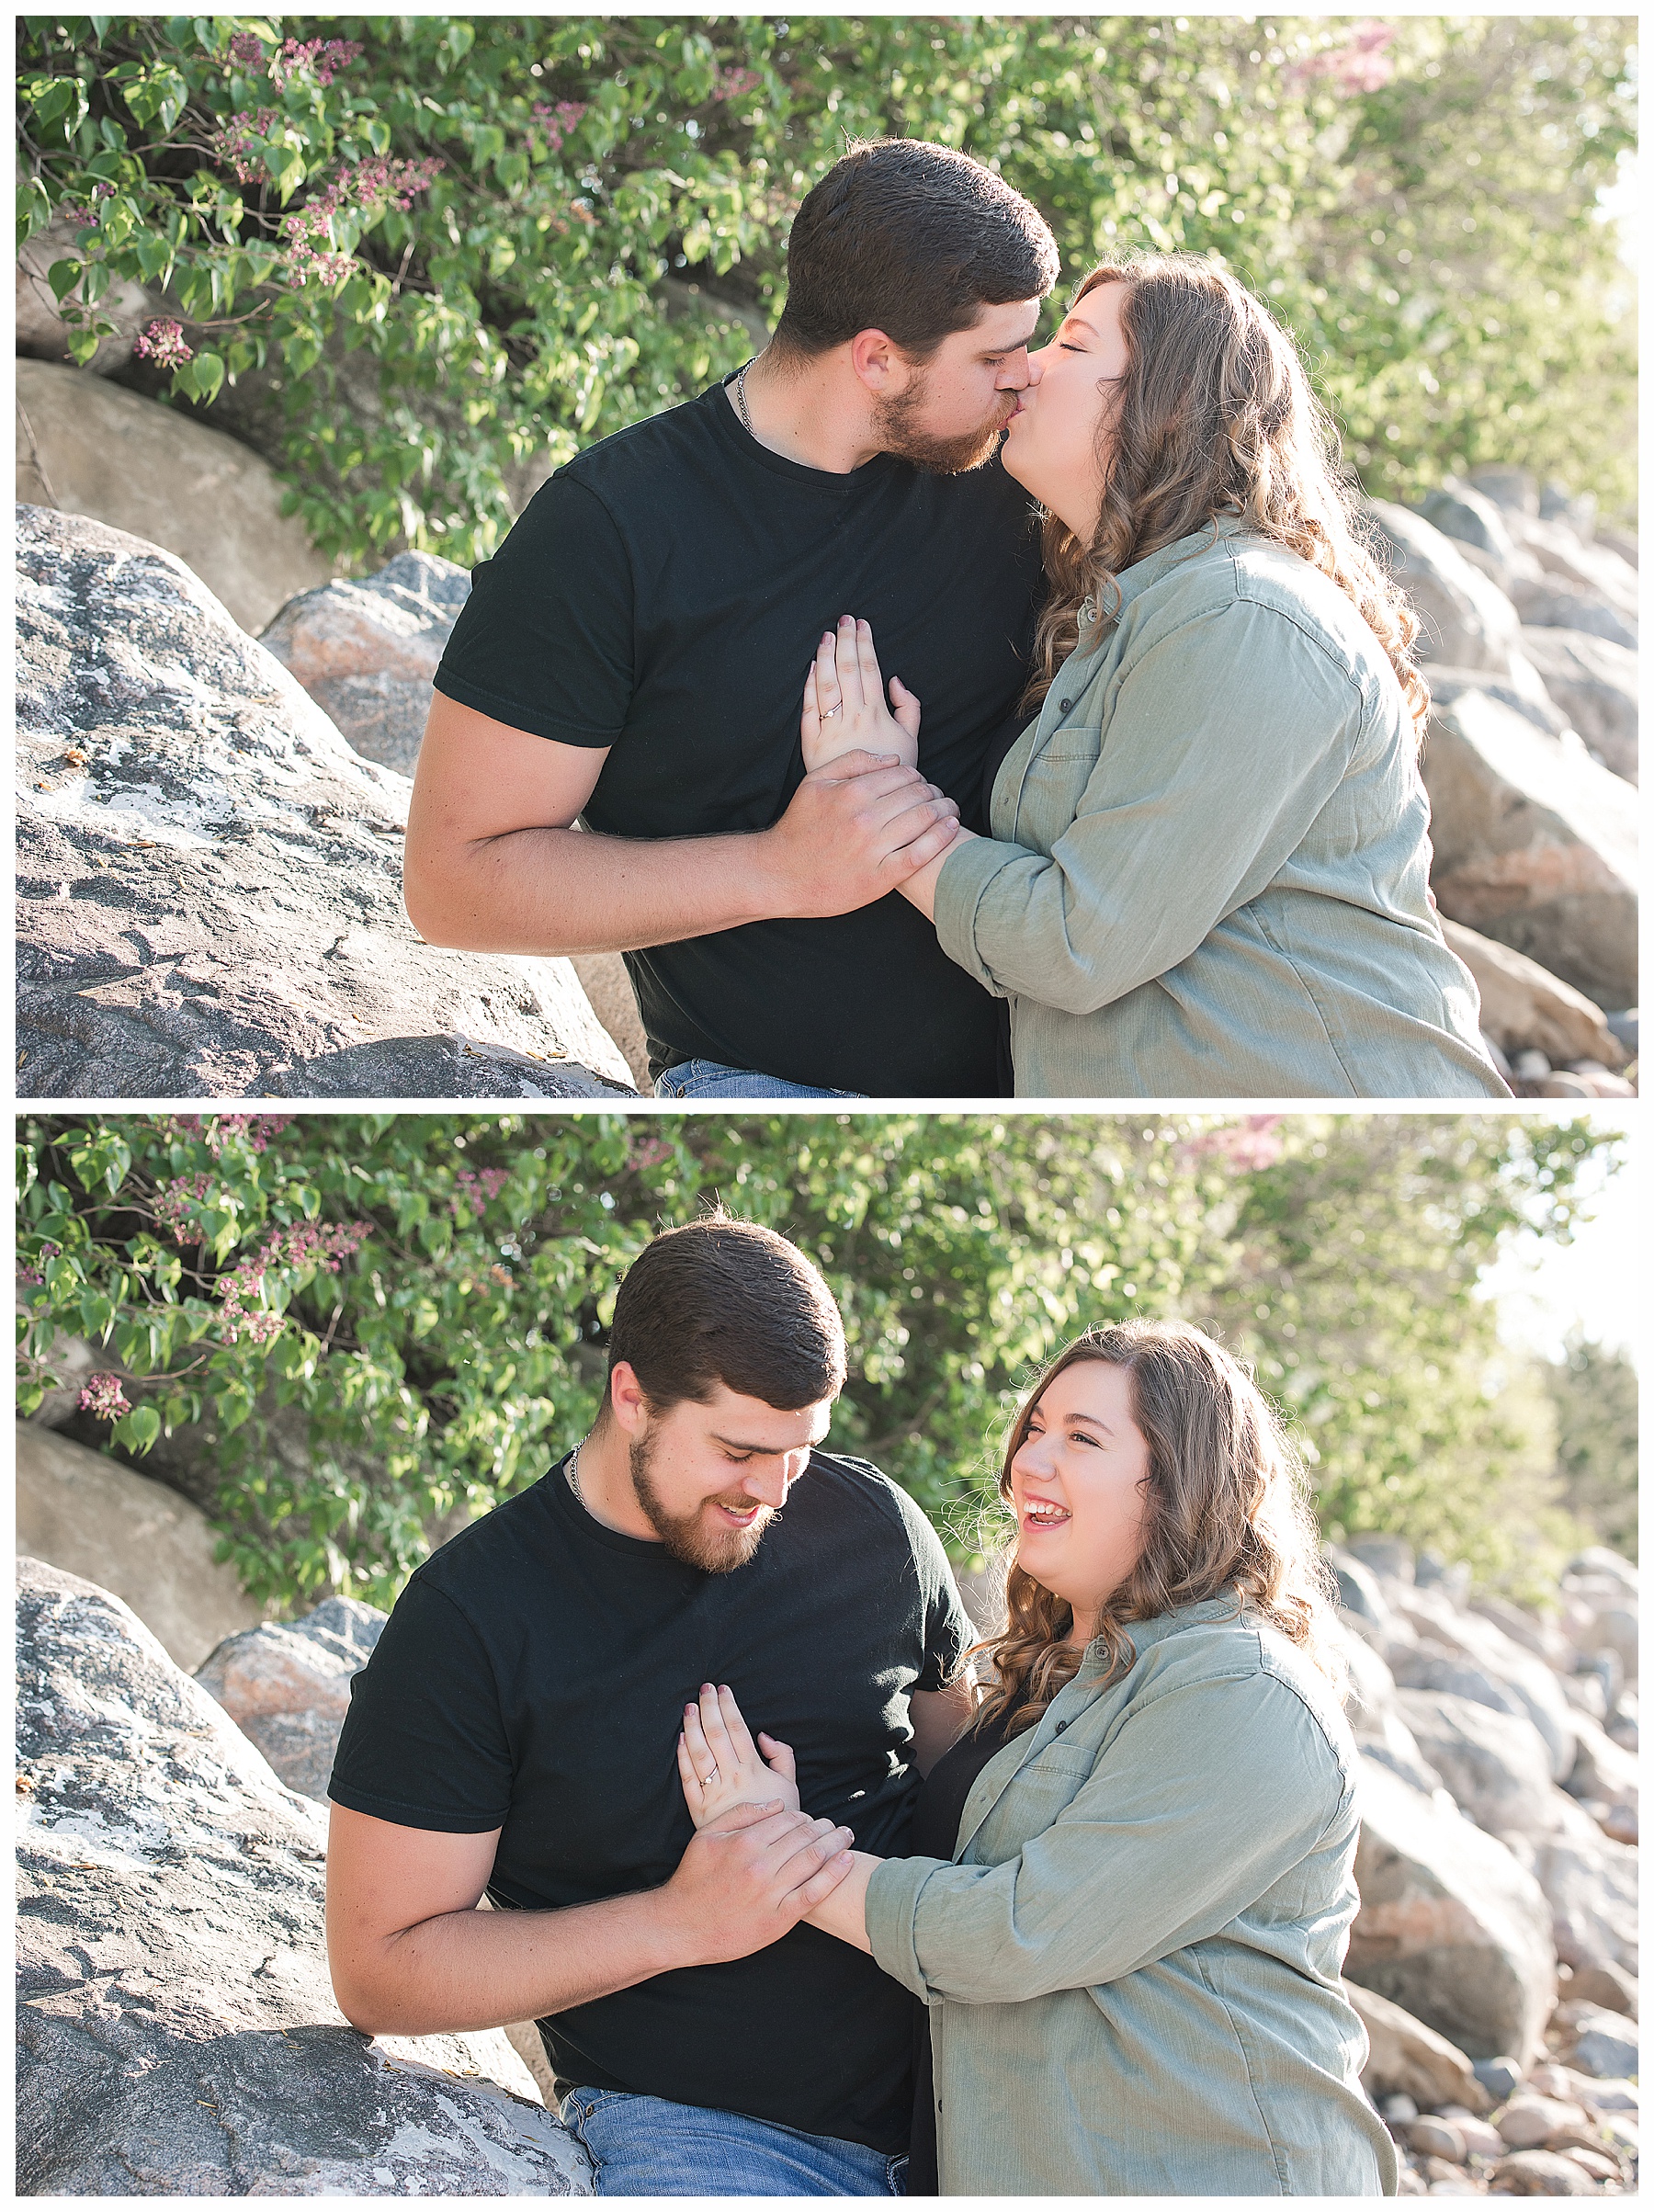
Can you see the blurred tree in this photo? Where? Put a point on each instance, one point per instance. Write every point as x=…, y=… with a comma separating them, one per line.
x=1594, y=1393
x=423, y=259
x=340, y=1329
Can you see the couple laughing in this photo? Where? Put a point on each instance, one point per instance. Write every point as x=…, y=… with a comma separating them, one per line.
x=1112, y=721
x=799, y=1907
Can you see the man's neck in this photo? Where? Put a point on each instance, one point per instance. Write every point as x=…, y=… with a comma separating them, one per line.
x=803, y=410
x=602, y=1473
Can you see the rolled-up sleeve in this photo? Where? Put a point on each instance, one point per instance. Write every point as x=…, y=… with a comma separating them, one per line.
x=1223, y=742
x=1208, y=1796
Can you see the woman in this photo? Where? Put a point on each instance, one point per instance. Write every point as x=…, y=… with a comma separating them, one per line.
x=1209, y=871
x=1130, y=1950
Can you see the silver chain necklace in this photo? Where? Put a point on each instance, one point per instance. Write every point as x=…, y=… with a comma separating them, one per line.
x=741, y=405
x=574, y=1478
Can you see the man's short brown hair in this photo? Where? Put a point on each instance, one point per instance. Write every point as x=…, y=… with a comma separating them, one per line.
x=725, y=1301
x=912, y=239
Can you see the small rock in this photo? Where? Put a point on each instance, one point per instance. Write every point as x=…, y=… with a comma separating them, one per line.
x=1597, y=2163
x=1541, y=2173
x=1482, y=2139
x=1603, y=2044
x=1528, y=2121
x=1612, y=2097
x=1624, y=1027
x=1436, y=2138
x=1398, y=2109
x=1530, y=1066
x=1500, y=2077
x=1408, y=2184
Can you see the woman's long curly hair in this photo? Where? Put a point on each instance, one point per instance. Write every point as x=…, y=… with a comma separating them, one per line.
x=1214, y=416
x=1225, y=1516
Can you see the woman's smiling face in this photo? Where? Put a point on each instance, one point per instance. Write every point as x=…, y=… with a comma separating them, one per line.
x=1051, y=444
x=1078, y=1487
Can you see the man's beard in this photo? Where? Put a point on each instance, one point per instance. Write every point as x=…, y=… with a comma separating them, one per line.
x=898, y=433
x=686, y=1535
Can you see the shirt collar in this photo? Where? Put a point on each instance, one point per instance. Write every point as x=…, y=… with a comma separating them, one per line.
x=1145, y=1634
x=1131, y=581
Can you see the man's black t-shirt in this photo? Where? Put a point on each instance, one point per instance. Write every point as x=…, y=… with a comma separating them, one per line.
x=532, y=1678
x=662, y=595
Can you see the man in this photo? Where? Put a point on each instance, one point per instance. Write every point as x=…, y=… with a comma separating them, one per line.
x=514, y=1732
x=635, y=656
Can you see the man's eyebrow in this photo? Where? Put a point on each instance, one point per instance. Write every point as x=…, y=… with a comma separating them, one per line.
x=762, y=1451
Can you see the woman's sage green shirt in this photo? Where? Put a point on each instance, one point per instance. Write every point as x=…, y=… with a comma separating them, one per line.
x=1133, y=1963
x=1209, y=868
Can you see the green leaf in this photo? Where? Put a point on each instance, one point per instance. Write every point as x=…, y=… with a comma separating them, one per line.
x=209, y=375
x=62, y=276
x=140, y=1429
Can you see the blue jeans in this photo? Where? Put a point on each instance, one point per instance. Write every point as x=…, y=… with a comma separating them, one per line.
x=710, y=1079
x=646, y=2147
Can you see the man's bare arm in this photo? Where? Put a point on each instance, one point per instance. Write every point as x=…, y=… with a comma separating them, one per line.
x=411, y=1955
x=937, y=1717
x=495, y=863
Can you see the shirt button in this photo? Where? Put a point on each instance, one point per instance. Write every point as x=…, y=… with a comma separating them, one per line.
x=1059, y=1728
x=1063, y=706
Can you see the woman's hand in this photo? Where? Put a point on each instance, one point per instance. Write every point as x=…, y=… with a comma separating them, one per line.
x=720, y=1767
x=844, y=709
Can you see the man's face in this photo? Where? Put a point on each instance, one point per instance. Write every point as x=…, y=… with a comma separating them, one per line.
x=709, y=1479
x=949, y=416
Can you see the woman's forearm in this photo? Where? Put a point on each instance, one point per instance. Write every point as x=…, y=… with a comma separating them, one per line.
x=843, y=1914
x=920, y=887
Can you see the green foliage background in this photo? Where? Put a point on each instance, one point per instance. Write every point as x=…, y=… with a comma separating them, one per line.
x=458, y=1350
x=1432, y=240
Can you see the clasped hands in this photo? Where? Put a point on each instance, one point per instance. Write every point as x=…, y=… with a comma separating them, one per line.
x=864, y=819
x=757, y=1864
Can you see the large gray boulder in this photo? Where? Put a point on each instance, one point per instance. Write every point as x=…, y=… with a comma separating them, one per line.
x=287, y=1685
x=1477, y=523
x=1451, y=1927
x=1466, y=621
x=209, y=878
x=367, y=651
x=99, y=1519
x=1495, y=1766
x=1510, y=1677
x=1534, y=844
x=177, y=2034
x=1557, y=548
x=1589, y=1882
x=88, y=446
x=1593, y=682
x=1554, y=603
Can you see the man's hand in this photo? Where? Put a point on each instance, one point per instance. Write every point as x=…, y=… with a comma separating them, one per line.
x=855, y=831
x=741, y=1887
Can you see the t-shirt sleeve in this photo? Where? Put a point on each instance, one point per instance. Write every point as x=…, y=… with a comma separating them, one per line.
x=544, y=643
x=948, y=1633
x=424, y=1742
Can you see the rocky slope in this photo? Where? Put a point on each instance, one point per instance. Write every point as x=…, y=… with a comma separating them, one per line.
x=209, y=878
x=177, y=2029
